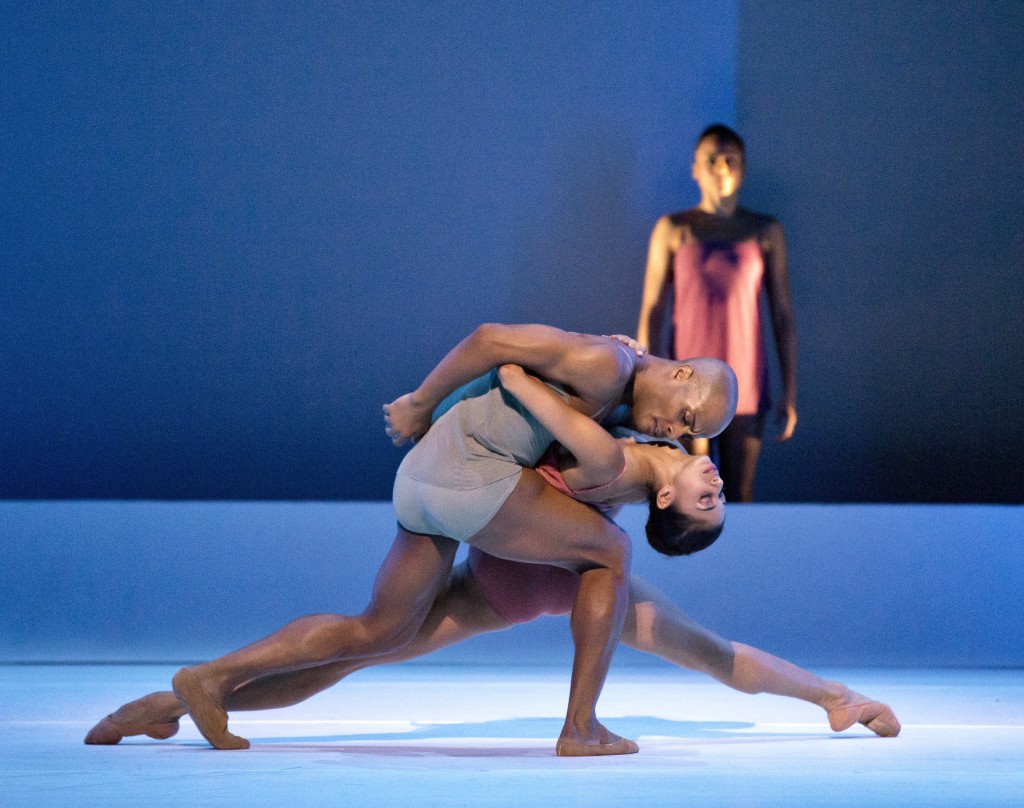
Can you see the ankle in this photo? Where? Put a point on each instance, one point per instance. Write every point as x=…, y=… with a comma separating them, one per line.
x=835, y=695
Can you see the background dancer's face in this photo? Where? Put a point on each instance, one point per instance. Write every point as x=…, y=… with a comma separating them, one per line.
x=695, y=398
x=718, y=168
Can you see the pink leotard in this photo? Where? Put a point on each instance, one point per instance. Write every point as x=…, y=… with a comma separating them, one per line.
x=716, y=311
x=521, y=592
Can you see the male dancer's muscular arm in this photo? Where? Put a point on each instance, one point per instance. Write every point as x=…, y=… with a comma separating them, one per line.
x=591, y=366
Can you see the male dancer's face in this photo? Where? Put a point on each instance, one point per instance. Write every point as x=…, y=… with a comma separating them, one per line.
x=695, y=398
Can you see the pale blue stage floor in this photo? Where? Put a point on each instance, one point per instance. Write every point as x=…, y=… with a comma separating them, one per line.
x=421, y=735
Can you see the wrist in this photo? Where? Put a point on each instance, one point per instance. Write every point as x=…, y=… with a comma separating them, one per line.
x=417, y=399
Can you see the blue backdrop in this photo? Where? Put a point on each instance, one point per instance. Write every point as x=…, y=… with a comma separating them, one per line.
x=230, y=231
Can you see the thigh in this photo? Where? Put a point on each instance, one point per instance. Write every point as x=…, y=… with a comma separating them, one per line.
x=458, y=613
x=410, y=579
x=656, y=625
x=538, y=524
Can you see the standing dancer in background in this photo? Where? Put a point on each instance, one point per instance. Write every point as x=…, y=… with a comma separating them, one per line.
x=712, y=261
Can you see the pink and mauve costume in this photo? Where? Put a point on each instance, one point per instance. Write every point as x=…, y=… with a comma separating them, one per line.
x=521, y=592
x=716, y=312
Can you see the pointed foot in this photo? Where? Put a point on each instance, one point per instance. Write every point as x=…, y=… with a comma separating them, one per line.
x=110, y=731
x=877, y=717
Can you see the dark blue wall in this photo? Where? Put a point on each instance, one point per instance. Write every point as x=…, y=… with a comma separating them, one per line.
x=229, y=232
x=887, y=137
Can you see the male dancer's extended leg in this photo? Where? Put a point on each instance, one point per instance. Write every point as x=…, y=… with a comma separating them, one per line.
x=407, y=584
x=460, y=612
x=656, y=626
x=539, y=524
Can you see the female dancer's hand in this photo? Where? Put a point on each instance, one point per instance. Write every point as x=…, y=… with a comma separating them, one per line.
x=629, y=342
x=509, y=373
x=405, y=419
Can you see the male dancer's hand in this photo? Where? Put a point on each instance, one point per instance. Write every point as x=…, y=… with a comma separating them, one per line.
x=405, y=419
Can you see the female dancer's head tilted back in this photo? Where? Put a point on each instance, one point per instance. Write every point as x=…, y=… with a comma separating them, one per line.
x=695, y=515
x=684, y=492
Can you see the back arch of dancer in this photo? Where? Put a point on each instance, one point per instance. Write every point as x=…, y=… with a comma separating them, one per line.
x=469, y=477
x=486, y=594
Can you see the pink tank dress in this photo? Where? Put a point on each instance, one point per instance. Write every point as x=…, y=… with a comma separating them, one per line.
x=716, y=312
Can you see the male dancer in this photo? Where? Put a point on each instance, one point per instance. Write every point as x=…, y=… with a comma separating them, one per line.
x=528, y=521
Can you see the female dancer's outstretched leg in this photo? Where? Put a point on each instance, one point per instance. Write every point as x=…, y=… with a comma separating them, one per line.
x=460, y=612
x=657, y=626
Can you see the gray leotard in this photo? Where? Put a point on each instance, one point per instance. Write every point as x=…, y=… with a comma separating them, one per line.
x=458, y=476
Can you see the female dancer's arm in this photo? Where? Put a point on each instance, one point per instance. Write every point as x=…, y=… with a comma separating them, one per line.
x=654, y=302
x=781, y=308
x=599, y=457
x=588, y=364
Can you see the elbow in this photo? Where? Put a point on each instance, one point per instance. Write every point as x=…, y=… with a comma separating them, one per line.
x=485, y=337
x=493, y=334
x=484, y=332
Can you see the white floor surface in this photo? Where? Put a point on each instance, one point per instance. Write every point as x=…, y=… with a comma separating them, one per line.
x=483, y=736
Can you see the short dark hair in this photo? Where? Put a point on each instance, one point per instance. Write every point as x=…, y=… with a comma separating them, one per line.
x=723, y=134
x=674, y=534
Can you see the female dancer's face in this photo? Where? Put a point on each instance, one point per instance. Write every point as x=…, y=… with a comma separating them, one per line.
x=698, y=490
x=718, y=169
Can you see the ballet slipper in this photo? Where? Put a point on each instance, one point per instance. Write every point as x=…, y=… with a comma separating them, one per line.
x=110, y=730
x=210, y=718
x=874, y=715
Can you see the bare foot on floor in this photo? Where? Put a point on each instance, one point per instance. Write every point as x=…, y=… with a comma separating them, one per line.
x=155, y=715
x=111, y=731
x=210, y=718
x=853, y=708
x=606, y=743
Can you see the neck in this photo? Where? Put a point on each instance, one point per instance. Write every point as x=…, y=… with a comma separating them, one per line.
x=724, y=207
x=663, y=462
x=637, y=481
x=629, y=391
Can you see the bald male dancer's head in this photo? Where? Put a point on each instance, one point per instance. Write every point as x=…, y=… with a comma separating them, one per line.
x=692, y=398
